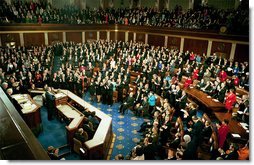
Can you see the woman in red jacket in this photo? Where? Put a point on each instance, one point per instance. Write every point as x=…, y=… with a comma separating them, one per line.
x=230, y=100
x=223, y=76
x=223, y=130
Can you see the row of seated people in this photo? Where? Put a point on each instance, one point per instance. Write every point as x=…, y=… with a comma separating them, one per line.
x=202, y=140
x=236, y=100
x=199, y=18
x=243, y=104
x=209, y=134
x=158, y=79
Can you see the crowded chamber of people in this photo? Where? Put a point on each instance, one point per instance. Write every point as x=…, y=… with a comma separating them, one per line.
x=100, y=68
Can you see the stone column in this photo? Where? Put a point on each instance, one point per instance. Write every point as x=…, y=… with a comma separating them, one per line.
x=232, y=52
x=98, y=35
x=83, y=37
x=126, y=36
x=146, y=38
x=64, y=36
x=209, y=48
x=108, y=35
x=182, y=44
x=21, y=38
x=166, y=41
x=46, y=38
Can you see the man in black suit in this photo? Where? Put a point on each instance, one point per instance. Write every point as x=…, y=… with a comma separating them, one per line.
x=50, y=103
x=137, y=97
x=9, y=92
x=127, y=103
x=81, y=135
x=143, y=107
x=181, y=102
x=88, y=127
x=196, y=129
x=206, y=132
x=149, y=149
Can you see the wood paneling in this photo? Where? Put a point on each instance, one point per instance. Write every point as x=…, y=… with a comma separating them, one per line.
x=242, y=53
x=174, y=42
x=34, y=39
x=11, y=37
x=132, y=28
x=55, y=36
x=90, y=35
x=74, y=36
x=156, y=40
x=121, y=36
x=140, y=37
x=221, y=49
x=130, y=36
x=113, y=35
x=103, y=35
x=196, y=46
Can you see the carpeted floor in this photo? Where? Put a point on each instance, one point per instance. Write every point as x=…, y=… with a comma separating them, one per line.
x=124, y=127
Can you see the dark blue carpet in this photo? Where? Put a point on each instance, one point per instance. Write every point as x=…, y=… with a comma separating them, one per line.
x=124, y=127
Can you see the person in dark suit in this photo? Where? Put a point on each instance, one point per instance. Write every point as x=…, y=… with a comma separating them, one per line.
x=200, y=84
x=9, y=92
x=81, y=135
x=127, y=103
x=220, y=94
x=50, y=103
x=171, y=154
x=53, y=153
x=137, y=97
x=231, y=153
x=165, y=130
x=92, y=89
x=181, y=102
x=176, y=141
x=143, y=107
x=149, y=149
x=206, y=132
x=207, y=88
x=243, y=111
x=137, y=80
x=219, y=61
x=94, y=120
x=88, y=127
x=196, y=129
x=191, y=151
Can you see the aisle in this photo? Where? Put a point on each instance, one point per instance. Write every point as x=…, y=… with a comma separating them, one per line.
x=124, y=127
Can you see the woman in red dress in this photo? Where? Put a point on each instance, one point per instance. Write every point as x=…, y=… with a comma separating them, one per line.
x=223, y=76
x=195, y=73
x=223, y=130
x=230, y=100
x=187, y=82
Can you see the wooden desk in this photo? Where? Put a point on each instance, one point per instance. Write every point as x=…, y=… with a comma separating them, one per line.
x=61, y=98
x=17, y=140
x=241, y=91
x=99, y=145
x=234, y=126
x=30, y=112
x=76, y=117
x=203, y=99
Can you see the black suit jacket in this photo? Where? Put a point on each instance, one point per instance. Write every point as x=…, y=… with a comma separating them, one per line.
x=149, y=152
x=196, y=130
